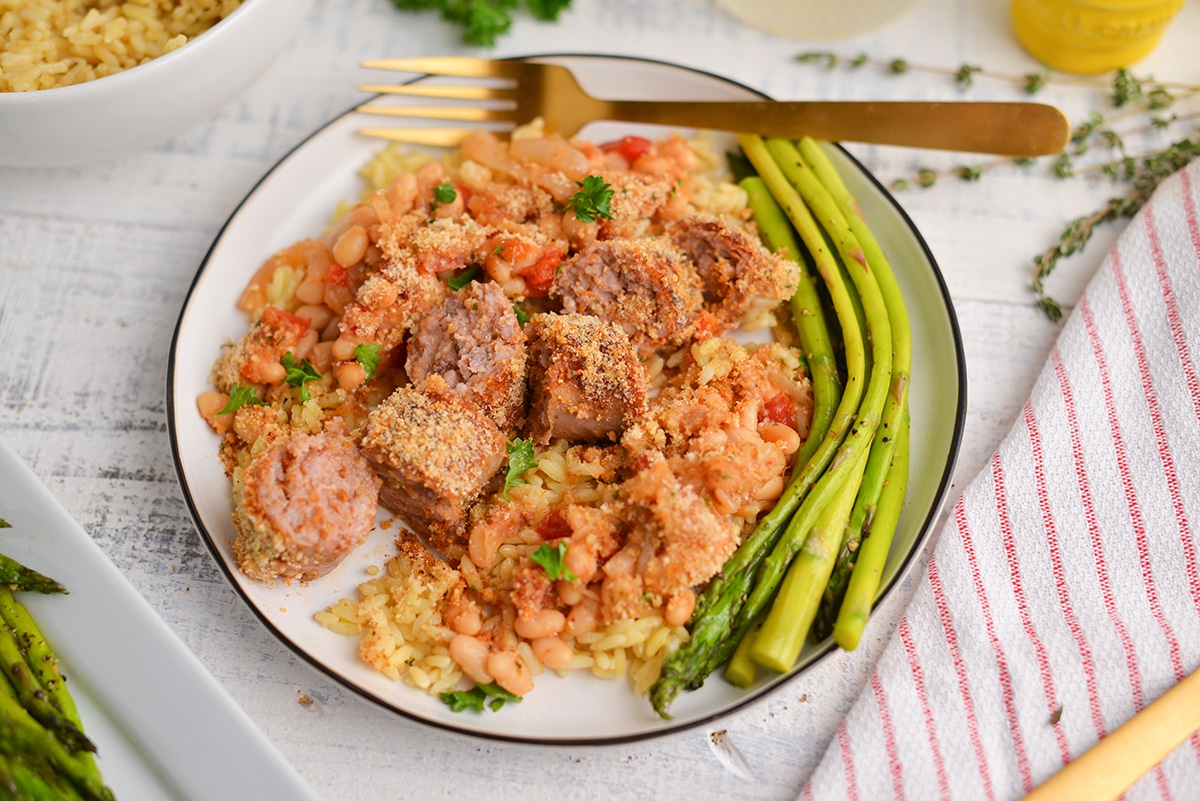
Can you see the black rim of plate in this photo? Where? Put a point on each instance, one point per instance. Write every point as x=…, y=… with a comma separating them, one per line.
x=753, y=696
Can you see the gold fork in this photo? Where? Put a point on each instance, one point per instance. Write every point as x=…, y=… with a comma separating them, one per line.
x=551, y=92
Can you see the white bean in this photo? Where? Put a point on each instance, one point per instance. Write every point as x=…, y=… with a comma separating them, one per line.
x=510, y=671
x=471, y=655
x=542, y=624
x=553, y=652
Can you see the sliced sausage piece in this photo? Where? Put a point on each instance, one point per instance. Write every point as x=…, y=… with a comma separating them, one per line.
x=586, y=381
x=644, y=285
x=302, y=505
x=734, y=266
x=435, y=452
x=475, y=342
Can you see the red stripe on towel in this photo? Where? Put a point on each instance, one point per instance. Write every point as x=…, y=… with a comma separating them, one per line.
x=914, y=664
x=1189, y=372
x=1127, y=482
x=1005, y=676
x=895, y=769
x=843, y=737
x=1018, y=582
x=1089, y=511
x=1060, y=579
x=960, y=667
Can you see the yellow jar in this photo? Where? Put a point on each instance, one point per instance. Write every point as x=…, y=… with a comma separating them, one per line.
x=1091, y=36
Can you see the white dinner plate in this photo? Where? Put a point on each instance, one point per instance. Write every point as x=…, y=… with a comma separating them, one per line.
x=295, y=200
x=164, y=729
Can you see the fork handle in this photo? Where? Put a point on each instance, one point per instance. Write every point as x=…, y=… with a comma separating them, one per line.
x=1007, y=129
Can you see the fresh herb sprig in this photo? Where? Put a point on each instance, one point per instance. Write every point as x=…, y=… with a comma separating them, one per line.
x=444, y=194
x=491, y=695
x=464, y=278
x=592, y=201
x=521, y=459
x=240, y=396
x=551, y=560
x=367, y=355
x=1144, y=176
x=484, y=21
x=299, y=375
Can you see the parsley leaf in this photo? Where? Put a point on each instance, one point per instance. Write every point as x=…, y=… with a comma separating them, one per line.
x=522, y=315
x=520, y=459
x=443, y=194
x=483, y=21
x=4, y=523
x=590, y=203
x=477, y=697
x=299, y=374
x=551, y=560
x=462, y=279
x=368, y=357
x=239, y=396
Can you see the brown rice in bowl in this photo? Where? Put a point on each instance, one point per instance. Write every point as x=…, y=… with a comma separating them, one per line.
x=45, y=44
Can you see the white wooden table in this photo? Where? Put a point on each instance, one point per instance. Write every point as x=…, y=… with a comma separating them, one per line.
x=95, y=262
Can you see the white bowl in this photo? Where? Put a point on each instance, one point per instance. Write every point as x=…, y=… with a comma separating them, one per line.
x=131, y=110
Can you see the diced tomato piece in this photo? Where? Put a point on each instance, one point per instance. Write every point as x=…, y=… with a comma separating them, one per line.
x=631, y=148
x=540, y=275
x=281, y=320
x=779, y=409
x=553, y=526
x=338, y=275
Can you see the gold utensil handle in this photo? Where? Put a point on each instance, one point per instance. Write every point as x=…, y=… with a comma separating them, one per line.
x=1007, y=129
x=1107, y=769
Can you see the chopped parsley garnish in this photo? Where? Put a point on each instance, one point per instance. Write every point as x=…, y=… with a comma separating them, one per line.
x=368, y=357
x=298, y=375
x=444, y=194
x=240, y=396
x=551, y=560
x=522, y=315
x=4, y=523
x=492, y=695
x=462, y=279
x=590, y=203
x=520, y=459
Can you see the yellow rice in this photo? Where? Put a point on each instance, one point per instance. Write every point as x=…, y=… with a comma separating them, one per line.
x=46, y=44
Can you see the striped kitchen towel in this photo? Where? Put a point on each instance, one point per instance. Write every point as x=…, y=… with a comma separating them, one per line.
x=1063, y=594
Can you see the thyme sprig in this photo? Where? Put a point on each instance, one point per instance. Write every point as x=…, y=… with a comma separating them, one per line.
x=1098, y=139
x=1143, y=175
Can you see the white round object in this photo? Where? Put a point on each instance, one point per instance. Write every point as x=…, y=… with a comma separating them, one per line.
x=131, y=110
x=817, y=19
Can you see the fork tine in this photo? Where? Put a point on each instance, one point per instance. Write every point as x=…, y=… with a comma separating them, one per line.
x=460, y=113
x=456, y=92
x=462, y=67
x=437, y=137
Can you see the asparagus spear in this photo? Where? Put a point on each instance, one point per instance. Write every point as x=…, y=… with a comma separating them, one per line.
x=777, y=645
x=894, y=409
x=43, y=662
x=23, y=738
x=24, y=688
x=864, y=579
x=741, y=670
x=15, y=575
x=26, y=783
x=715, y=629
x=858, y=440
